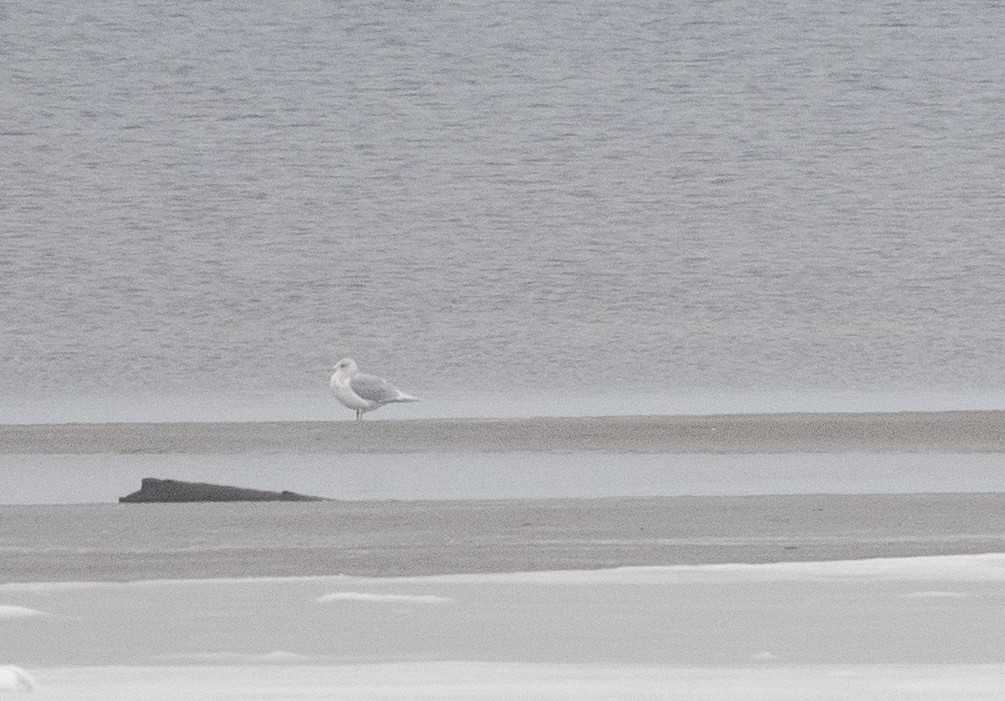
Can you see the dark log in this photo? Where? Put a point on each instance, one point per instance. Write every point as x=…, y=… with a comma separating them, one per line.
x=153, y=490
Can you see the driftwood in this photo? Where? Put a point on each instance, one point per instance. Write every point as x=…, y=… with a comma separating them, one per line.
x=153, y=490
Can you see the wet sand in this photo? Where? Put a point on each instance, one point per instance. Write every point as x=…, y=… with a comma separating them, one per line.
x=120, y=542
x=959, y=432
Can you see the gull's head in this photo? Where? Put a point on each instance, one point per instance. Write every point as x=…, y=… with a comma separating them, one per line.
x=346, y=366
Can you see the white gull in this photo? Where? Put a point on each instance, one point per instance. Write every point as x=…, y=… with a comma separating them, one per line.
x=361, y=392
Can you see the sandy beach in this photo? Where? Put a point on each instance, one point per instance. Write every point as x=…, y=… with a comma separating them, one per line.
x=119, y=542
x=390, y=537
x=755, y=595
x=548, y=599
x=950, y=431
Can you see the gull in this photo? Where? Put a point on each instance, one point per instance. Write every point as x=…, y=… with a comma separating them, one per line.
x=361, y=392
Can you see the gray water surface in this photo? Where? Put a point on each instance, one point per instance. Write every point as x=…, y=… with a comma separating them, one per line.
x=76, y=479
x=563, y=198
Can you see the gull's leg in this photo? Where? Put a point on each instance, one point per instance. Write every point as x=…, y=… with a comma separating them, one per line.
x=359, y=414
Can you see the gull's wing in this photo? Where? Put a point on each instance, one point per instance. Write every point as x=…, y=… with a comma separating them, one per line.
x=374, y=389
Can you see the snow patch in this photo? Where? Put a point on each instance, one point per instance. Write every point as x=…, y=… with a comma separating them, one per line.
x=19, y=612
x=938, y=595
x=363, y=597
x=15, y=679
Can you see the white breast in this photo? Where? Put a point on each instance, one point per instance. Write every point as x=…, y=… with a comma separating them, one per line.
x=343, y=392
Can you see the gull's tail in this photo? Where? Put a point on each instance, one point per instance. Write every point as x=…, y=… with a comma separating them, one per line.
x=402, y=397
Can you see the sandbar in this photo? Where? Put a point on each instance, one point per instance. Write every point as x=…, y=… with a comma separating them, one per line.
x=948, y=431
x=125, y=542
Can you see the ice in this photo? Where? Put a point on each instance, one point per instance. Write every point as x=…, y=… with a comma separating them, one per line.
x=18, y=612
x=900, y=628
x=364, y=597
x=474, y=681
x=14, y=679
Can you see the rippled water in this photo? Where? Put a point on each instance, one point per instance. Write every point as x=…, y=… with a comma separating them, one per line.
x=500, y=198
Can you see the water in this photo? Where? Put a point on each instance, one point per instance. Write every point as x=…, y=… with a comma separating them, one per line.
x=538, y=202
x=102, y=479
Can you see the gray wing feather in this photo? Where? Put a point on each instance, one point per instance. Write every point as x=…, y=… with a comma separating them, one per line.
x=373, y=389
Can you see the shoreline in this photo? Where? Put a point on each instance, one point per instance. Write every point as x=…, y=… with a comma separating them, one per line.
x=946, y=432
